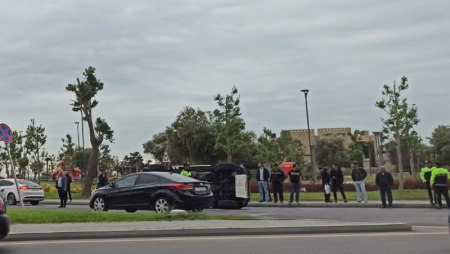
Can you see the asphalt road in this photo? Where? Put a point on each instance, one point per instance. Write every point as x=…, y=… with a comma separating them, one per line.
x=415, y=217
x=431, y=241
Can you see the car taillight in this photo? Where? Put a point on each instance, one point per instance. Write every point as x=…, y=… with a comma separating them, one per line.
x=43, y=188
x=182, y=186
x=1, y=204
x=23, y=188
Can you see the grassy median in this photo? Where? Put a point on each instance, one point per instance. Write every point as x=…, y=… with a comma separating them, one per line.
x=413, y=195
x=29, y=216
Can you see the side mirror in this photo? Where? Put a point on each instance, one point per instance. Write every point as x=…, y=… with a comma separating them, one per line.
x=111, y=185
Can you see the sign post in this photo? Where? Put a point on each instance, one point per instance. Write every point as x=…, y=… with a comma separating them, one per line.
x=166, y=159
x=6, y=135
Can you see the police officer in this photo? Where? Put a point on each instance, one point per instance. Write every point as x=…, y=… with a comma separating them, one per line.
x=438, y=181
x=277, y=178
x=186, y=171
x=425, y=175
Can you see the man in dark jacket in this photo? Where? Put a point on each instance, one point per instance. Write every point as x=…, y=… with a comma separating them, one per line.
x=337, y=182
x=69, y=181
x=384, y=182
x=295, y=177
x=358, y=176
x=262, y=176
x=326, y=182
x=277, y=178
x=61, y=186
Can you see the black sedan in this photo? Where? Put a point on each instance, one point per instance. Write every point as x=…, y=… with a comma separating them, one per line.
x=158, y=191
x=4, y=219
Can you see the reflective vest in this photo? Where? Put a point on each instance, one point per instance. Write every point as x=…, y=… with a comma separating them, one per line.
x=185, y=173
x=439, y=177
x=425, y=174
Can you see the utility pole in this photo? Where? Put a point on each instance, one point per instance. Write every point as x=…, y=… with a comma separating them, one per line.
x=306, y=91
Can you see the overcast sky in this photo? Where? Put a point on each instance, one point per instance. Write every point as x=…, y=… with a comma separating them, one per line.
x=155, y=57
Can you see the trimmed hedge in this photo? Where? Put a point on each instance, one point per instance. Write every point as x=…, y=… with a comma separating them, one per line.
x=408, y=184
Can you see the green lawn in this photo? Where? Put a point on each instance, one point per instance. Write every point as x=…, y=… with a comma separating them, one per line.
x=66, y=216
x=351, y=196
x=313, y=196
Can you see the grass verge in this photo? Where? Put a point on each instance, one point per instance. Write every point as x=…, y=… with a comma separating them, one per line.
x=65, y=216
x=412, y=195
x=50, y=195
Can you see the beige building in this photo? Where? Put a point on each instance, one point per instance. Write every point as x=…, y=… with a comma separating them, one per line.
x=302, y=135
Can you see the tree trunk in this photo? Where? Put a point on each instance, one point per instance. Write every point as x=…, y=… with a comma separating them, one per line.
x=411, y=162
x=91, y=172
x=400, y=163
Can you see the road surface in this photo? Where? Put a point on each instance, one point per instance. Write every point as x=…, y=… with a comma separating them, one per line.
x=434, y=241
x=415, y=217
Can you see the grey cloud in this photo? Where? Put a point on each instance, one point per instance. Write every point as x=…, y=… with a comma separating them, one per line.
x=157, y=57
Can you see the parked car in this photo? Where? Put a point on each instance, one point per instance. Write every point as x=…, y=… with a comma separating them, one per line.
x=30, y=192
x=4, y=219
x=158, y=191
x=230, y=183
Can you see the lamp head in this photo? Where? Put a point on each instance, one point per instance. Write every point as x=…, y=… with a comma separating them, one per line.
x=305, y=91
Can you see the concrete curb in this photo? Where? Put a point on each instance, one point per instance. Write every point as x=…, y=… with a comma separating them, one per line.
x=335, y=229
x=285, y=205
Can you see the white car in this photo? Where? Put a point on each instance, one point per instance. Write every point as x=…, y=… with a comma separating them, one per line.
x=29, y=191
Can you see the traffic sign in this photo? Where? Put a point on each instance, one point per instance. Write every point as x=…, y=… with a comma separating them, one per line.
x=166, y=158
x=6, y=134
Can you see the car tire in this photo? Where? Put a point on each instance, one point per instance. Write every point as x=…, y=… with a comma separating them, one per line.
x=241, y=203
x=130, y=210
x=100, y=205
x=11, y=199
x=34, y=202
x=162, y=205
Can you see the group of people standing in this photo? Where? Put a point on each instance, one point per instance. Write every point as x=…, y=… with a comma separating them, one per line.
x=276, y=177
x=63, y=182
x=436, y=182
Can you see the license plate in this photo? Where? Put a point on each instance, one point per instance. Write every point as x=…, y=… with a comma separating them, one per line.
x=200, y=188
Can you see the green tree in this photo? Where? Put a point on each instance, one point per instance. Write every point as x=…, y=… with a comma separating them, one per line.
x=68, y=150
x=85, y=92
x=290, y=149
x=4, y=159
x=192, y=136
x=268, y=148
x=331, y=150
x=440, y=140
x=401, y=117
x=106, y=159
x=35, y=140
x=229, y=125
x=157, y=146
x=356, y=149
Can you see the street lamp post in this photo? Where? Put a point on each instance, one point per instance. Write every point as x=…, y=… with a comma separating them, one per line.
x=378, y=135
x=305, y=92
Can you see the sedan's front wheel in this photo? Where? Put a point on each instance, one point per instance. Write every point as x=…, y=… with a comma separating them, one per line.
x=100, y=204
x=162, y=205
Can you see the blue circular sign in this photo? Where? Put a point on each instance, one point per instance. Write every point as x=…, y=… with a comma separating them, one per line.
x=6, y=134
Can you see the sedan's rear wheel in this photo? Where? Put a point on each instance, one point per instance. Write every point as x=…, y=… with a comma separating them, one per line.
x=34, y=202
x=162, y=205
x=130, y=210
x=100, y=204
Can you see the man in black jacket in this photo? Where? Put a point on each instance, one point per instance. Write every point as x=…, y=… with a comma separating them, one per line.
x=277, y=178
x=295, y=177
x=69, y=181
x=262, y=176
x=358, y=176
x=384, y=182
x=337, y=182
x=326, y=182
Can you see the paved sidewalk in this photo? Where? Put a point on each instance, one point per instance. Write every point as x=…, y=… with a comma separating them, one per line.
x=31, y=232
x=370, y=204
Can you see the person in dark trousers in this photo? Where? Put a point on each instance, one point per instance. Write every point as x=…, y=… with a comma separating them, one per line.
x=425, y=175
x=295, y=178
x=337, y=182
x=262, y=176
x=61, y=186
x=69, y=181
x=326, y=182
x=439, y=182
x=277, y=178
x=384, y=182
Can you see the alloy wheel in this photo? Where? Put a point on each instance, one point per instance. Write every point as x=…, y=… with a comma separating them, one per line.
x=99, y=204
x=162, y=205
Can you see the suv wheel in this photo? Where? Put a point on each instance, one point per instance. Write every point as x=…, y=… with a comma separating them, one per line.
x=100, y=204
x=12, y=199
x=162, y=205
x=34, y=202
